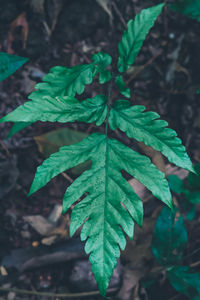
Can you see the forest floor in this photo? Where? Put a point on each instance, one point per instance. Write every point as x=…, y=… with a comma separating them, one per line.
x=35, y=250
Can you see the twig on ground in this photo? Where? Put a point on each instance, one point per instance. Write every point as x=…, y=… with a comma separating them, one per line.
x=119, y=14
x=53, y=295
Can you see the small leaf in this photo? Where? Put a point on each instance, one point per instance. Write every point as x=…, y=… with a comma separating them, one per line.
x=122, y=86
x=198, y=91
x=176, y=184
x=60, y=109
x=50, y=143
x=18, y=126
x=144, y=127
x=101, y=61
x=134, y=37
x=188, y=8
x=9, y=64
x=107, y=193
x=170, y=237
x=185, y=281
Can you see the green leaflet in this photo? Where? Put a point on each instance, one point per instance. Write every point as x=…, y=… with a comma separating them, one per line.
x=62, y=81
x=185, y=281
x=170, y=237
x=9, y=64
x=144, y=127
x=18, y=127
x=135, y=35
x=188, y=8
x=122, y=86
x=51, y=141
x=60, y=109
x=101, y=207
x=102, y=61
x=198, y=91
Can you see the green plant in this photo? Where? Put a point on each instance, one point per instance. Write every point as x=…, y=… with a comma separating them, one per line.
x=188, y=8
x=9, y=64
x=188, y=190
x=169, y=242
x=110, y=206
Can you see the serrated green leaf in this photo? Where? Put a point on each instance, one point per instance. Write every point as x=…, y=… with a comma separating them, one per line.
x=145, y=127
x=18, y=127
x=122, y=86
x=185, y=281
x=60, y=109
x=135, y=35
x=107, y=190
x=188, y=8
x=9, y=64
x=176, y=184
x=102, y=61
x=170, y=237
x=63, y=81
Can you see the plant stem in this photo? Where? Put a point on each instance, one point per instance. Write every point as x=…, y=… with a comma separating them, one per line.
x=109, y=102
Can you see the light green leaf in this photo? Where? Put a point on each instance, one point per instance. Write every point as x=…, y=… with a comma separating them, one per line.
x=9, y=64
x=170, y=237
x=185, y=281
x=135, y=35
x=190, y=8
x=102, y=61
x=60, y=109
x=145, y=127
x=122, y=86
x=18, y=127
x=107, y=194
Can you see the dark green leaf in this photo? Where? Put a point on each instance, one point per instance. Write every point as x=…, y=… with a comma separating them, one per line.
x=9, y=64
x=102, y=61
x=144, y=127
x=194, y=179
x=185, y=281
x=192, y=197
x=122, y=86
x=60, y=109
x=135, y=35
x=105, y=189
x=176, y=184
x=17, y=127
x=170, y=237
x=190, y=8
